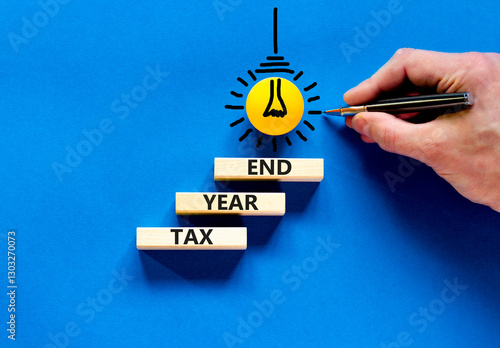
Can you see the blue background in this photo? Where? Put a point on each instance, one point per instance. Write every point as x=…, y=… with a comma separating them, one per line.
x=393, y=252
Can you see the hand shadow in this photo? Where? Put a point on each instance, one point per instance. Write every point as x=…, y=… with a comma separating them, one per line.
x=462, y=234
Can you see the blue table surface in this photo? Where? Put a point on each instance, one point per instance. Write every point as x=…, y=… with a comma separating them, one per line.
x=109, y=108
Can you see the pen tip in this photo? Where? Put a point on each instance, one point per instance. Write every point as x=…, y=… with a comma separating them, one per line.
x=334, y=112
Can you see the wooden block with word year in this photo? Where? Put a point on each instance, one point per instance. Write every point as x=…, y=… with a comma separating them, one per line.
x=240, y=203
x=277, y=169
x=191, y=238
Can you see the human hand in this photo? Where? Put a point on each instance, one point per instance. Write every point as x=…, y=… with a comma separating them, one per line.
x=464, y=147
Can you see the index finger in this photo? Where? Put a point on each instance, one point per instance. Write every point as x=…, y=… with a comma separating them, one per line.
x=422, y=68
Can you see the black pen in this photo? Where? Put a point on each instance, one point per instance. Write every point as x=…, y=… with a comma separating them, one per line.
x=408, y=104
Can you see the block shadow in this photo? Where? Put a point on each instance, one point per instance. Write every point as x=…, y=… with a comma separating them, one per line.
x=219, y=265
x=201, y=265
x=298, y=194
x=260, y=229
x=207, y=265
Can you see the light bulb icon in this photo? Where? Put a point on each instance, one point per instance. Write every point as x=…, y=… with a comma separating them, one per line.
x=274, y=105
x=278, y=110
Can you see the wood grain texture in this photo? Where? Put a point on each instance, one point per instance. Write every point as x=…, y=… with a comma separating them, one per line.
x=274, y=169
x=239, y=203
x=191, y=238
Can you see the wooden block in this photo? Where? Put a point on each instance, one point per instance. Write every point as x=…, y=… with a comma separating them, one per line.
x=251, y=203
x=191, y=238
x=277, y=169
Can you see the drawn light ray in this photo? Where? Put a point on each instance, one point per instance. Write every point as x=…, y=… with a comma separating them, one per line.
x=301, y=136
x=311, y=86
x=237, y=122
x=235, y=107
x=252, y=75
x=298, y=76
x=249, y=130
x=243, y=82
x=309, y=125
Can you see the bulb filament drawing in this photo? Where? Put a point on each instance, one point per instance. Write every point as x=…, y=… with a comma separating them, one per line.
x=275, y=108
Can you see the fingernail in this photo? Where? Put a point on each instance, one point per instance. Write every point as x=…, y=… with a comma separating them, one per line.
x=361, y=125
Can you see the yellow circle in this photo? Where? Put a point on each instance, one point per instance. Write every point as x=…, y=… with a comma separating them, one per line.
x=275, y=106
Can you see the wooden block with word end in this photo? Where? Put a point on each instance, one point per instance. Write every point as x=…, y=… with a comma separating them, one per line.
x=191, y=238
x=276, y=169
x=239, y=203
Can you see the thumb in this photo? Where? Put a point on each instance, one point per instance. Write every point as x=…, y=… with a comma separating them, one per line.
x=393, y=134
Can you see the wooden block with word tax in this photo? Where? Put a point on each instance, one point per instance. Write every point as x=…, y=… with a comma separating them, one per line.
x=277, y=169
x=240, y=203
x=191, y=238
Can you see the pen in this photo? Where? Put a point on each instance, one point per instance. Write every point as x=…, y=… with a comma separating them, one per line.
x=408, y=104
